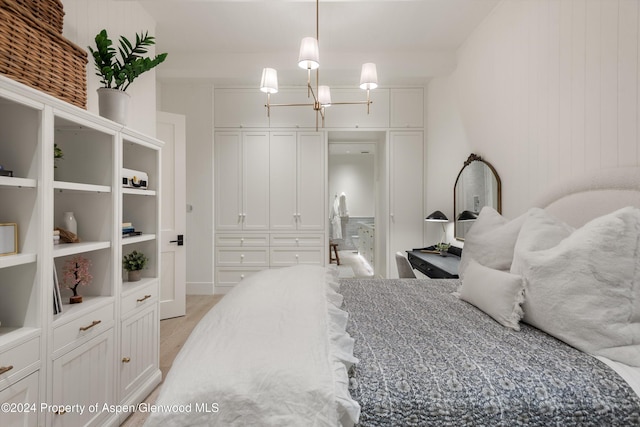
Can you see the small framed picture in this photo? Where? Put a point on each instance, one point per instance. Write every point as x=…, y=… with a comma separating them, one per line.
x=8, y=238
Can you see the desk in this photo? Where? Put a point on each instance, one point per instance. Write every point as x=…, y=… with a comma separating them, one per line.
x=434, y=265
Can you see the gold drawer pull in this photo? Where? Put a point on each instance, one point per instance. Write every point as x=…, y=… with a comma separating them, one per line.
x=126, y=360
x=4, y=369
x=94, y=323
x=145, y=298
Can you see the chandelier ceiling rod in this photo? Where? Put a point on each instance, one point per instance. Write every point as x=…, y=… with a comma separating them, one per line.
x=309, y=59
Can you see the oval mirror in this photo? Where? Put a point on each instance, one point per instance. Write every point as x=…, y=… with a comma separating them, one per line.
x=477, y=185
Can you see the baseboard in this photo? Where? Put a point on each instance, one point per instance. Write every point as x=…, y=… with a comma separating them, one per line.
x=204, y=288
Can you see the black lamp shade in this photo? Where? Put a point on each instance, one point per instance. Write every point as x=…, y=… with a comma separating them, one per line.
x=467, y=216
x=437, y=216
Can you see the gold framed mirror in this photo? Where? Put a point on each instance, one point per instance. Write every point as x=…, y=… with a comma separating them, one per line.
x=477, y=185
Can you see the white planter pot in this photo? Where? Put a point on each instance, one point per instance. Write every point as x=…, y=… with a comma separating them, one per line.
x=113, y=104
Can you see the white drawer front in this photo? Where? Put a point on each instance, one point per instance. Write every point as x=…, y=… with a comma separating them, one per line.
x=246, y=257
x=297, y=240
x=140, y=298
x=231, y=276
x=242, y=240
x=282, y=257
x=88, y=325
x=16, y=359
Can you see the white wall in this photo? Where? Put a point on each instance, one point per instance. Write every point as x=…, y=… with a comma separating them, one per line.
x=83, y=20
x=353, y=174
x=195, y=101
x=447, y=149
x=548, y=90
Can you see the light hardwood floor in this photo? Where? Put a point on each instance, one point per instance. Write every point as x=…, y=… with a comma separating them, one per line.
x=173, y=333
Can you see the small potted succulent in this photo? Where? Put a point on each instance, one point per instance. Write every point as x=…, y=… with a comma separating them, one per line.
x=134, y=262
x=443, y=248
x=117, y=73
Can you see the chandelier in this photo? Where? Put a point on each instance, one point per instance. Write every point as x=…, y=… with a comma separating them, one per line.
x=309, y=59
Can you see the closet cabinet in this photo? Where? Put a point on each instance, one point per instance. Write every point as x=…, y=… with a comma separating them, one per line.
x=242, y=180
x=283, y=173
x=407, y=107
x=71, y=356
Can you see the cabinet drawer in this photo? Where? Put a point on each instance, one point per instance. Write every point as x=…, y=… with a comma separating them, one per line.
x=18, y=358
x=247, y=257
x=228, y=276
x=140, y=298
x=297, y=240
x=86, y=326
x=282, y=257
x=242, y=240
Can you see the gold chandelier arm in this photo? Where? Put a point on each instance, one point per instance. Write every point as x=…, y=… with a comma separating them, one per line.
x=290, y=105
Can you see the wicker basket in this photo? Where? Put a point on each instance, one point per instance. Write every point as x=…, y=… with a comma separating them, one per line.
x=50, y=12
x=32, y=53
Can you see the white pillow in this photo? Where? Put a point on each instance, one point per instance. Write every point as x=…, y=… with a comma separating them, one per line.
x=490, y=241
x=540, y=230
x=585, y=290
x=497, y=293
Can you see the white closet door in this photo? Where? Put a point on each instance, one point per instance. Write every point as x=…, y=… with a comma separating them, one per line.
x=228, y=180
x=282, y=181
x=312, y=213
x=255, y=173
x=405, y=193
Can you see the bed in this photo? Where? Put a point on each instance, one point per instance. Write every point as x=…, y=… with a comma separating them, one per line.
x=543, y=328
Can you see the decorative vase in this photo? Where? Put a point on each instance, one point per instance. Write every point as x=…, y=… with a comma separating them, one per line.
x=75, y=299
x=134, y=275
x=70, y=223
x=113, y=104
x=443, y=253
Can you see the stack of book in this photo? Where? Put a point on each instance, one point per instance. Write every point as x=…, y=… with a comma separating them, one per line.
x=56, y=237
x=128, y=230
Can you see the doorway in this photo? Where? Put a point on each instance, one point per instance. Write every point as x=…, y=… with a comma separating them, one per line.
x=354, y=197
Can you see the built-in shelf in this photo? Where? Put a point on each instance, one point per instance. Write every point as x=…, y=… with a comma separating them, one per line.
x=8, y=181
x=74, y=186
x=138, y=192
x=17, y=259
x=71, y=311
x=138, y=239
x=16, y=335
x=65, y=249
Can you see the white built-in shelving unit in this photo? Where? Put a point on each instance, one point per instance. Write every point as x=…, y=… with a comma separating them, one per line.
x=105, y=349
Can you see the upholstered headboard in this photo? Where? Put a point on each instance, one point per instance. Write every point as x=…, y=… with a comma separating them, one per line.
x=581, y=199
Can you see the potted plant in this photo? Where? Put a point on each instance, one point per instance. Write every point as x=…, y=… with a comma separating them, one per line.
x=118, y=72
x=133, y=262
x=57, y=154
x=76, y=273
x=443, y=248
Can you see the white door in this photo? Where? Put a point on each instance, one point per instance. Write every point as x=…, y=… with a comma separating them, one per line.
x=405, y=194
x=282, y=181
x=312, y=212
x=170, y=129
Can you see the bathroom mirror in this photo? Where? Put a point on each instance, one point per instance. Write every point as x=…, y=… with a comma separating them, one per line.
x=477, y=185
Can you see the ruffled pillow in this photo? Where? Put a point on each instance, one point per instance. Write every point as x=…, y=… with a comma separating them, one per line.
x=490, y=241
x=497, y=293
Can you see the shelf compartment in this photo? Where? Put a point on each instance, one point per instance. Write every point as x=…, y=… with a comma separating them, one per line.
x=87, y=188
x=18, y=259
x=67, y=249
x=138, y=192
x=7, y=181
x=138, y=239
x=20, y=290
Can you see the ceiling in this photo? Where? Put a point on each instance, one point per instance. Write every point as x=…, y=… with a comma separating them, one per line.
x=228, y=42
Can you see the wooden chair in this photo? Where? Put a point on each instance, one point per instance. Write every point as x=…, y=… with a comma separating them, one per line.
x=333, y=253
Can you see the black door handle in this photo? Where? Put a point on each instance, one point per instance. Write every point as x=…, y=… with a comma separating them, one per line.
x=180, y=240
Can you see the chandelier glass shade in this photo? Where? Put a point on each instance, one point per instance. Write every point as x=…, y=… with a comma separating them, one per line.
x=309, y=59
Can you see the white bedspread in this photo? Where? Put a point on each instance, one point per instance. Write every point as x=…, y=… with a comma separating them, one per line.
x=272, y=352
